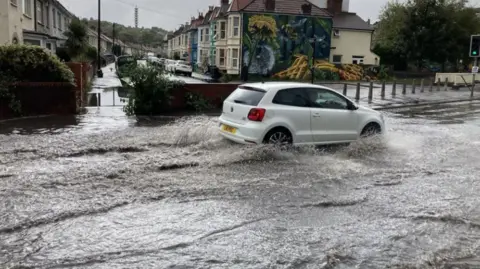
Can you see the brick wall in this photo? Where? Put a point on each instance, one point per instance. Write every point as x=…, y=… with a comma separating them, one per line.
x=42, y=98
x=213, y=92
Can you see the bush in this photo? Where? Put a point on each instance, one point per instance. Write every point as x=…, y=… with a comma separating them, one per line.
x=151, y=91
x=197, y=102
x=32, y=64
x=62, y=54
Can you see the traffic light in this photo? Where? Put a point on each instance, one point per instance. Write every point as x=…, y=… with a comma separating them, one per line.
x=475, y=46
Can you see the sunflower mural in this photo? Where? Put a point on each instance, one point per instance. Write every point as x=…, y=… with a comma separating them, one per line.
x=273, y=43
x=261, y=44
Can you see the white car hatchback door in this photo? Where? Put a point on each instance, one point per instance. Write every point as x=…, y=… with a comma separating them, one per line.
x=333, y=119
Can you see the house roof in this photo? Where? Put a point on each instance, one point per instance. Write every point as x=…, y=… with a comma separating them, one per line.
x=238, y=5
x=208, y=16
x=351, y=21
x=284, y=7
x=221, y=11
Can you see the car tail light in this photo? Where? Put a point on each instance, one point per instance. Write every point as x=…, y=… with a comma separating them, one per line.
x=256, y=114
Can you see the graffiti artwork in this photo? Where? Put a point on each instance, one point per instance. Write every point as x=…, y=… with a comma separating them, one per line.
x=284, y=45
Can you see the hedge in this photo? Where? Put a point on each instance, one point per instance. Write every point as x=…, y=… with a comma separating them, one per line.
x=25, y=63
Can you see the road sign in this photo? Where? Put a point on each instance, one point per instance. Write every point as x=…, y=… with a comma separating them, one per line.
x=474, y=46
x=475, y=69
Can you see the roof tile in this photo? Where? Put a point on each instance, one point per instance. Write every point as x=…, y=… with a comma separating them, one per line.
x=285, y=7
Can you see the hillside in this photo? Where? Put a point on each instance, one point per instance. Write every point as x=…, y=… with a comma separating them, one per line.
x=147, y=36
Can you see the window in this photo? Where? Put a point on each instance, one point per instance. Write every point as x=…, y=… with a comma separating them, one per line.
x=291, y=97
x=215, y=31
x=235, y=58
x=32, y=42
x=47, y=16
x=49, y=46
x=40, y=10
x=59, y=21
x=223, y=26
x=201, y=35
x=27, y=8
x=207, y=35
x=221, y=54
x=357, y=59
x=246, y=96
x=337, y=59
x=54, y=19
x=322, y=98
x=236, y=26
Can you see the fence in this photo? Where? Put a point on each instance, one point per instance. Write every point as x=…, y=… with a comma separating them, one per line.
x=425, y=85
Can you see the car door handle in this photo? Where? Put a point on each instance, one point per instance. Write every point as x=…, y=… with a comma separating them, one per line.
x=316, y=115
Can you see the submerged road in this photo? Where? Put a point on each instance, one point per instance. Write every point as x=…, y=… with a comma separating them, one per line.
x=101, y=191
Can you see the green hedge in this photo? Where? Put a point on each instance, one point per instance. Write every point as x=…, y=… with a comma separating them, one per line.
x=32, y=64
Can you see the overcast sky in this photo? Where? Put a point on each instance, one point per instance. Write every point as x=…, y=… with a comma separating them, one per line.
x=169, y=14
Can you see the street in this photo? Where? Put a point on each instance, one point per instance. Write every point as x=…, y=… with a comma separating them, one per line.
x=103, y=191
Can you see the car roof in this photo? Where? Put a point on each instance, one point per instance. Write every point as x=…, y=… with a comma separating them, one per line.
x=278, y=85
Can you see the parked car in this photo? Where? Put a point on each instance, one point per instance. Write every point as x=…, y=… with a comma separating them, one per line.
x=123, y=61
x=170, y=65
x=182, y=67
x=295, y=113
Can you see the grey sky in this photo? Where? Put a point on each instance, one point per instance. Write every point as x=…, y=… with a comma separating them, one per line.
x=169, y=14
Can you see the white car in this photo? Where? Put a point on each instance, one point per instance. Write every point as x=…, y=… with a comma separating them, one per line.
x=169, y=65
x=182, y=67
x=295, y=113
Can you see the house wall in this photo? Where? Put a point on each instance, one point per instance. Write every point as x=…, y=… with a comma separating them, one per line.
x=234, y=43
x=352, y=43
x=287, y=37
x=11, y=18
x=28, y=15
x=203, y=44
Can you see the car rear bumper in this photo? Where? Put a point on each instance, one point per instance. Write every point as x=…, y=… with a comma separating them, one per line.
x=245, y=134
x=183, y=70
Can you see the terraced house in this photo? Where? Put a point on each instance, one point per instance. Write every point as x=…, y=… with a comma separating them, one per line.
x=269, y=37
x=35, y=22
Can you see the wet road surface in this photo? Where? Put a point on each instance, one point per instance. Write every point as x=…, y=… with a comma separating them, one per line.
x=130, y=195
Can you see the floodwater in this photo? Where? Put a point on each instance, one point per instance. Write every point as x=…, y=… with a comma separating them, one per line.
x=105, y=192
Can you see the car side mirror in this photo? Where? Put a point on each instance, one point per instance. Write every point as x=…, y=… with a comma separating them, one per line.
x=351, y=106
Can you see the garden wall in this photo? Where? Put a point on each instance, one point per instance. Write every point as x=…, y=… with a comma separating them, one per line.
x=41, y=98
x=215, y=93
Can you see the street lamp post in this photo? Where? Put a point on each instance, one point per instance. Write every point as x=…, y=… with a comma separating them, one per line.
x=99, y=62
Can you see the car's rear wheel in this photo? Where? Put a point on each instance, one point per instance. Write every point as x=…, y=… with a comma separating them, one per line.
x=371, y=129
x=279, y=136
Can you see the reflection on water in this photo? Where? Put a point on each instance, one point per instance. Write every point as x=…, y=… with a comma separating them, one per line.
x=108, y=97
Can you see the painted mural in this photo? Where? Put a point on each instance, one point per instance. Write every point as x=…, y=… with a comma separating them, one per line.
x=282, y=45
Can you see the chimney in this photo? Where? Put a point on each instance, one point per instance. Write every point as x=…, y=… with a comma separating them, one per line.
x=368, y=21
x=210, y=8
x=223, y=2
x=270, y=5
x=307, y=9
x=334, y=6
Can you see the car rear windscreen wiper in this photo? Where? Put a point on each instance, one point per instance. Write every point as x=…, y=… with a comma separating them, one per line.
x=240, y=102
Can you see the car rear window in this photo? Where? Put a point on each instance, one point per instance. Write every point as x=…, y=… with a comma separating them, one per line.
x=125, y=60
x=246, y=97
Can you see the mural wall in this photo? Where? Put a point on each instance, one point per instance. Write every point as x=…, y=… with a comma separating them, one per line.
x=280, y=45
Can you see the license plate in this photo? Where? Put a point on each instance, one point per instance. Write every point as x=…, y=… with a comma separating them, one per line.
x=229, y=129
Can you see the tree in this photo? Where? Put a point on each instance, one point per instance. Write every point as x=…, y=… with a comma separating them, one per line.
x=117, y=50
x=421, y=31
x=77, y=38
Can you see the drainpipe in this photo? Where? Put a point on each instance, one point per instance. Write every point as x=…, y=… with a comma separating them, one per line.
x=35, y=15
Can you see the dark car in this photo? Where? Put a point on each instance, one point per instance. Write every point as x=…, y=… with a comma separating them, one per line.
x=124, y=61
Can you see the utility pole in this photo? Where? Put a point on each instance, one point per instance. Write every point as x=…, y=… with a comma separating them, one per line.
x=113, y=38
x=99, y=37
